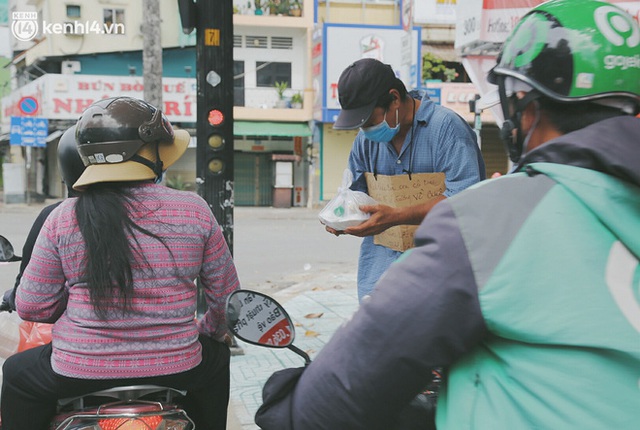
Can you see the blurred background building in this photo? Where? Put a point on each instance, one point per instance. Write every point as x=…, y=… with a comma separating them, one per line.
x=288, y=55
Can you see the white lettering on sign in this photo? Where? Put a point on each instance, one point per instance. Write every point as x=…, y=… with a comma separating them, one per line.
x=67, y=96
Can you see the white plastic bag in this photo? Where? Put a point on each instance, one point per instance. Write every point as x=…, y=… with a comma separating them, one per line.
x=9, y=333
x=343, y=210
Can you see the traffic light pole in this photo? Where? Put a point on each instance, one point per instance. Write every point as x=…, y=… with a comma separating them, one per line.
x=214, y=76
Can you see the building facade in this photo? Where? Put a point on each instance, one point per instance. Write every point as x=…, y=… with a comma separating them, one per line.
x=87, y=50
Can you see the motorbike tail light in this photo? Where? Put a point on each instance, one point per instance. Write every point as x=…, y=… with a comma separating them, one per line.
x=175, y=419
x=136, y=423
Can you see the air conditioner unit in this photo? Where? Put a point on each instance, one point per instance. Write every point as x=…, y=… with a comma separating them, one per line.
x=70, y=67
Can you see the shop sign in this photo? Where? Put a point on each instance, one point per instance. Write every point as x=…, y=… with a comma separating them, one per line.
x=435, y=12
x=344, y=44
x=493, y=20
x=65, y=97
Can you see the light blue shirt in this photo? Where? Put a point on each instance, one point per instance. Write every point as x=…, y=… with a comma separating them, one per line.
x=443, y=142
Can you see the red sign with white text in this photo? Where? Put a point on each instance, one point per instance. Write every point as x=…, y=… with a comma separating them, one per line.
x=67, y=96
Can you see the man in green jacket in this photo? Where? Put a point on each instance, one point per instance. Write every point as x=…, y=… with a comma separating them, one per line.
x=526, y=288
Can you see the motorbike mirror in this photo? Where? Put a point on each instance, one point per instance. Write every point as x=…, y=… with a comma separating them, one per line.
x=258, y=319
x=6, y=251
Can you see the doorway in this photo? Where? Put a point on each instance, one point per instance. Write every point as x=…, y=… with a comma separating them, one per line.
x=253, y=179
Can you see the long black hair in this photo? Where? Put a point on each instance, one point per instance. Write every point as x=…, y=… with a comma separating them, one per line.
x=103, y=214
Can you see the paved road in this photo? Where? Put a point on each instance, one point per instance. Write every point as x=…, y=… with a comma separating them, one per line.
x=283, y=252
x=269, y=243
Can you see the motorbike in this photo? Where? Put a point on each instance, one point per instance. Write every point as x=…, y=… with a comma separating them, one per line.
x=136, y=407
x=258, y=319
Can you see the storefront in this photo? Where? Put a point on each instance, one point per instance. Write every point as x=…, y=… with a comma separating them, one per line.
x=259, y=145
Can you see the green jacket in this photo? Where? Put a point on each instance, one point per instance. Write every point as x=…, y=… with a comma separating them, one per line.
x=526, y=288
x=560, y=303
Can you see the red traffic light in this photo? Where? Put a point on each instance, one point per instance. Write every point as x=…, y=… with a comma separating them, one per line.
x=215, y=117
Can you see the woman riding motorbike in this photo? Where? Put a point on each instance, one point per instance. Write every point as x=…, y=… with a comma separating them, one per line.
x=114, y=270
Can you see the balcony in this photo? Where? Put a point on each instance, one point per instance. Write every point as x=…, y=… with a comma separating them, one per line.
x=262, y=104
x=273, y=13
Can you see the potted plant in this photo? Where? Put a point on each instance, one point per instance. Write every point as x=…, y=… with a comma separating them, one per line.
x=278, y=7
x=280, y=89
x=258, y=5
x=272, y=6
x=296, y=101
x=295, y=9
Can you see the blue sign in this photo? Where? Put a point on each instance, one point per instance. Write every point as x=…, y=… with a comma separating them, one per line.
x=29, y=131
x=434, y=95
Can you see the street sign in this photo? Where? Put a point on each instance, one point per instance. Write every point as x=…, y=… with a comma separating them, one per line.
x=29, y=131
x=28, y=105
x=435, y=95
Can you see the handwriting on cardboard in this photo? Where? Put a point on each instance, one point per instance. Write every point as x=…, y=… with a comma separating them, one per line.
x=400, y=191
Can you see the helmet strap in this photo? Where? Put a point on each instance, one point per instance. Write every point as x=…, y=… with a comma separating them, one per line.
x=157, y=167
x=513, y=144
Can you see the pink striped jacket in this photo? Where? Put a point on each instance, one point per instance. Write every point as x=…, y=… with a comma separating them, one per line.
x=159, y=336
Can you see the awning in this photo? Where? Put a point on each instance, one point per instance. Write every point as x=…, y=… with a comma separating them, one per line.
x=267, y=128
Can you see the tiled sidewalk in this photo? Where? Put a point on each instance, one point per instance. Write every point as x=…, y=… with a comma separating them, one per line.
x=333, y=296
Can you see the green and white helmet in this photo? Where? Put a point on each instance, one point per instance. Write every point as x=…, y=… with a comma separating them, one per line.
x=572, y=51
x=575, y=50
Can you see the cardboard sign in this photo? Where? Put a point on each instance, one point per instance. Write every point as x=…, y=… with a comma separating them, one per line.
x=399, y=191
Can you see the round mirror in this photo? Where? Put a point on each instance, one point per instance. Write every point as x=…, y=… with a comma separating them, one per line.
x=258, y=319
x=6, y=251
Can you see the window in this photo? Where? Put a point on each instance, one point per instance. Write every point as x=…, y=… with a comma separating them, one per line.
x=113, y=20
x=281, y=42
x=238, y=83
x=259, y=42
x=268, y=73
x=73, y=11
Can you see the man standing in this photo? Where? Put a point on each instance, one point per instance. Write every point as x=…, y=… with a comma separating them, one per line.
x=403, y=137
x=525, y=288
